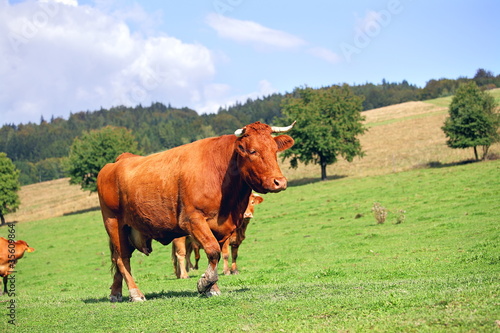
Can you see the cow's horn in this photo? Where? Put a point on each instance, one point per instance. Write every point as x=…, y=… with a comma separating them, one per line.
x=276, y=129
x=239, y=132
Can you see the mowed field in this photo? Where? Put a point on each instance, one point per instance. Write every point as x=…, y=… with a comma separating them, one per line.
x=315, y=259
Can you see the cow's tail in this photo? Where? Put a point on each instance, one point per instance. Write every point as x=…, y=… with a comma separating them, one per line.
x=113, y=269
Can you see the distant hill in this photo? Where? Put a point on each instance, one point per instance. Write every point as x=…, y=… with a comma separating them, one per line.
x=400, y=137
x=39, y=150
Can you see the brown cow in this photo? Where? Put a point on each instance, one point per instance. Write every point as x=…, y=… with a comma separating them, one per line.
x=10, y=252
x=238, y=236
x=201, y=189
x=183, y=246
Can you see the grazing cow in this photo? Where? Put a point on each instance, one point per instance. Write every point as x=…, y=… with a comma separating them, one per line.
x=183, y=246
x=10, y=252
x=199, y=189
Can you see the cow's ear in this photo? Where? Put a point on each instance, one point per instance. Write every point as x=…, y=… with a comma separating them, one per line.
x=258, y=199
x=284, y=142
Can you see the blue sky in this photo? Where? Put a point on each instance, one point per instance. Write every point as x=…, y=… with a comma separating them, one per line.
x=62, y=56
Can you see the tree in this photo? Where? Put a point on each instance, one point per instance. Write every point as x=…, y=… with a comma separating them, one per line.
x=9, y=185
x=94, y=149
x=328, y=123
x=473, y=121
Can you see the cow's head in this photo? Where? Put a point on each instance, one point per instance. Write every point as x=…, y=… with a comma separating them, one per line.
x=23, y=246
x=257, y=160
x=254, y=199
x=239, y=235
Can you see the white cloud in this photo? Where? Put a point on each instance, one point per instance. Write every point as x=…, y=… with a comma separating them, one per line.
x=217, y=96
x=325, y=54
x=252, y=32
x=60, y=56
x=64, y=2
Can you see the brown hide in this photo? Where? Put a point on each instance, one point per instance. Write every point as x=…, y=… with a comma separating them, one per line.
x=201, y=189
x=9, y=255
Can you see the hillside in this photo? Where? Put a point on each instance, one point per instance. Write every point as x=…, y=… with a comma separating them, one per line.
x=400, y=137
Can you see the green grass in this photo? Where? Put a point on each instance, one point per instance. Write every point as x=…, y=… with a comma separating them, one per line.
x=307, y=265
x=396, y=120
x=445, y=101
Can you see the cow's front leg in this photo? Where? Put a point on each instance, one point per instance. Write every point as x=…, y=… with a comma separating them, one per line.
x=207, y=284
x=5, y=280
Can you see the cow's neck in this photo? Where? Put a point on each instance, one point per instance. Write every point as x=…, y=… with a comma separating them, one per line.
x=235, y=191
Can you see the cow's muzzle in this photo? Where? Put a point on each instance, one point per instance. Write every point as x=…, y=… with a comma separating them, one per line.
x=279, y=184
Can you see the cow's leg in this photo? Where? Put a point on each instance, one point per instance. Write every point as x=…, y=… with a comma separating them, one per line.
x=196, y=249
x=116, y=286
x=234, y=256
x=121, y=253
x=179, y=257
x=225, y=257
x=189, y=250
x=207, y=284
x=5, y=280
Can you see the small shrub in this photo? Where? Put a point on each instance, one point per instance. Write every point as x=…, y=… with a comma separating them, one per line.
x=401, y=216
x=379, y=212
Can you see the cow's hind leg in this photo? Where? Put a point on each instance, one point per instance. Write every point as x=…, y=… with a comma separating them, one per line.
x=234, y=256
x=179, y=257
x=116, y=286
x=225, y=257
x=121, y=253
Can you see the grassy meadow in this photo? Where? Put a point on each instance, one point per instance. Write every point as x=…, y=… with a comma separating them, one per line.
x=315, y=260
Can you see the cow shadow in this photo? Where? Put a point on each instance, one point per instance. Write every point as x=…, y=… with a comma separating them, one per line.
x=161, y=295
x=149, y=296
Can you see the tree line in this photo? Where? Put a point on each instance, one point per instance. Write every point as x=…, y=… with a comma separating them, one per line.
x=39, y=150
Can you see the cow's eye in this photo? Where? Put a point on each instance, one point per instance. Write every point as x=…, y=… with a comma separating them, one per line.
x=251, y=151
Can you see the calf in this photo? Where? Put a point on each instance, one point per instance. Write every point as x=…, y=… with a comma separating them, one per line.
x=10, y=252
x=238, y=236
x=183, y=246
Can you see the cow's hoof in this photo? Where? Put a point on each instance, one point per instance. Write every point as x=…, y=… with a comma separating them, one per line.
x=115, y=298
x=235, y=272
x=136, y=296
x=207, y=288
x=227, y=273
x=214, y=291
